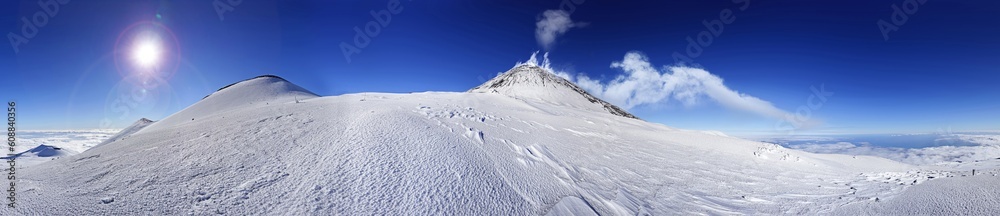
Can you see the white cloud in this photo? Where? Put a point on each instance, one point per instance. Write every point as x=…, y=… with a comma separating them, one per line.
x=644, y=84
x=552, y=24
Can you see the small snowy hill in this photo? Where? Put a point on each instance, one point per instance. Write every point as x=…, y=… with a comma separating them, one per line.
x=532, y=83
x=41, y=151
x=253, y=92
x=39, y=154
x=252, y=148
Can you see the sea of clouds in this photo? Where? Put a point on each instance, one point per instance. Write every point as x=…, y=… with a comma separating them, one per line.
x=74, y=140
x=950, y=148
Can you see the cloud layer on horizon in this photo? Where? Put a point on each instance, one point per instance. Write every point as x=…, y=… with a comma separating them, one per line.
x=74, y=140
x=985, y=148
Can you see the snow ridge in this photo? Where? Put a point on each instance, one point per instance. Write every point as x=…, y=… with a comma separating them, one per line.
x=128, y=131
x=530, y=81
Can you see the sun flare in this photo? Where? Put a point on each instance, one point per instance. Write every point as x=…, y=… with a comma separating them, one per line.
x=146, y=52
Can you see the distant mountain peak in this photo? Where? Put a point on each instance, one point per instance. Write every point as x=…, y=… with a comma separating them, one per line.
x=531, y=81
x=127, y=131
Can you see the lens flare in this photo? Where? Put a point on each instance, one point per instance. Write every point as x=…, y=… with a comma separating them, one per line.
x=146, y=52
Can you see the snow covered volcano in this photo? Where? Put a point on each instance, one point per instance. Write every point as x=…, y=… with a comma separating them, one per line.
x=532, y=83
x=535, y=146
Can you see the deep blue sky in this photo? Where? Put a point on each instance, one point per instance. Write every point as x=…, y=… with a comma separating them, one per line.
x=939, y=70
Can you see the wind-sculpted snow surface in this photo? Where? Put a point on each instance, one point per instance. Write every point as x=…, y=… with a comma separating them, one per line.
x=439, y=154
x=964, y=195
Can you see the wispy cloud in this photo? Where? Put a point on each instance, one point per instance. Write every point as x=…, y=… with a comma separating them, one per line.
x=552, y=24
x=643, y=84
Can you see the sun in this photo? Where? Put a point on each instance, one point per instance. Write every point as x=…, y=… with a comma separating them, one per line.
x=147, y=52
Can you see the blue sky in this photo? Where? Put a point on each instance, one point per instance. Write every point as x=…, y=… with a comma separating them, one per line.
x=937, y=70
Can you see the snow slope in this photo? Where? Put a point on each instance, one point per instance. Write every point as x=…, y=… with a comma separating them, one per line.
x=965, y=195
x=266, y=146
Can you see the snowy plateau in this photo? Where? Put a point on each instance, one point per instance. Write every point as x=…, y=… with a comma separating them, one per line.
x=524, y=143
